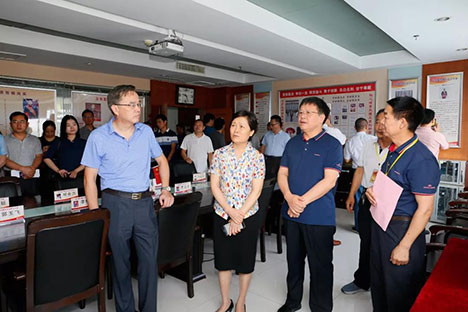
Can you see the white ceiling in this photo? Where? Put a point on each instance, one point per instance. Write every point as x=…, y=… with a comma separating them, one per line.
x=237, y=41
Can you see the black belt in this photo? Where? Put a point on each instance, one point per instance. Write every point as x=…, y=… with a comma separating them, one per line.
x=134, y=196
x=401, y=218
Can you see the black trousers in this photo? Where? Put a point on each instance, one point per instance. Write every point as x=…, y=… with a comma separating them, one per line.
x=362, y=274
x=315, y=241
x=133, y=220
x=395, y=288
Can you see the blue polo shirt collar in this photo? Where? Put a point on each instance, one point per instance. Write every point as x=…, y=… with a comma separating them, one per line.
x=110, y=127
x=315, y=138
x=393, y=148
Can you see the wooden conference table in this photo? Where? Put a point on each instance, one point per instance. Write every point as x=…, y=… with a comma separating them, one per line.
x=447, y=286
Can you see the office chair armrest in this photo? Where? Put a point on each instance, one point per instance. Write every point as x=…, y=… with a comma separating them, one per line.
x=19, y=276
x=434, y=246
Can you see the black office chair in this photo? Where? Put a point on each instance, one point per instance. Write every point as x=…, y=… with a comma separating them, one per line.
x=176, y=230
x=64, y=262
x=264, y=203
x=181, y=171
x=10, y=187
x=65, y=184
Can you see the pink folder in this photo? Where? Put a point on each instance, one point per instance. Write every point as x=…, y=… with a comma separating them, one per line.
x=386, y=193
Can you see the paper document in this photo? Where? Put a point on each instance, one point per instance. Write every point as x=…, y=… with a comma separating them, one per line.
x=386, y=193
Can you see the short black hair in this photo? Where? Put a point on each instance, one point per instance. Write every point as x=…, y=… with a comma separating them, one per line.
x=17, y=113
x=277, y=118
x=382, y=110
x=251, y=119
x=63, y=126
x=408, y=108
x=208, y=117
x=360, y=124
x=219, y=123
x=87, y=111
x=116, y=94
x=161, y=116
x=322, y=107
x=48, y=123
x=429, y=115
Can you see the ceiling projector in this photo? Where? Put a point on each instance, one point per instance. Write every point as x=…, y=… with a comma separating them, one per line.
x=169, y=46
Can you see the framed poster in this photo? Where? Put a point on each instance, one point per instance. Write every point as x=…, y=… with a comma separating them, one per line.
x=403, y=87
x=444, y=97
x=95, y=102
x=185, y=95
x=347, y=103
x=262, y=110
x=241, y=102
x=37, y=104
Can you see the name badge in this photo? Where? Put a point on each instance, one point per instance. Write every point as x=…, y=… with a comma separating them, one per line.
x=10, y=215
x=65, y=195
x=373, y=176
x=79, y=203
x=154, y=186
x=4, y=202
x=199, y=177
x=182, y=188
x=19, y=174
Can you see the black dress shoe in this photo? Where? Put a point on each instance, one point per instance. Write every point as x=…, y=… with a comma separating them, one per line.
x=231, y=306
x=286, y=308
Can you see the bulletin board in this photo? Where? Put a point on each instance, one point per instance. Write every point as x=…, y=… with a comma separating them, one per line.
x=262, y=111
x=37, y=104
x=347, y=103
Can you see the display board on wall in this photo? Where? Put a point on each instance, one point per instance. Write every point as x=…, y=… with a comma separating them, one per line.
x=403, y=87
x=347, y=103
x=242, y=102
x=37, y=104
x=444, y=97
x=262, y=111
x=97, y=103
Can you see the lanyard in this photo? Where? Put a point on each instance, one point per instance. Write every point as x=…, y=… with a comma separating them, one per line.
x=378, y=154
x=401, y=154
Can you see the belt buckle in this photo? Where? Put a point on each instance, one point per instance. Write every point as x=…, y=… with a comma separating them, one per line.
x=136, y=196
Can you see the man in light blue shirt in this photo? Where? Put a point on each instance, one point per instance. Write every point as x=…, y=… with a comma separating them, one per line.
x=3, y=151
x=273, y=144
x=120, y=152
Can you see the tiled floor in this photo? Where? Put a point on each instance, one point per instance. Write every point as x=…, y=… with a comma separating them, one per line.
x=268, y=288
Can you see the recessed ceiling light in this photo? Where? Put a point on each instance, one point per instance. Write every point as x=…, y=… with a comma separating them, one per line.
x=442, y=19
x=415, y=37
x=462, y=49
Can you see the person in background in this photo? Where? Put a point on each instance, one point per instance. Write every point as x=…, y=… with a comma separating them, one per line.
x=88, y=119
x=310, y=167
x=47, y=177
x=166, y=138
x=273, y=145
x=217, y=136
x=334, y=132
x=237, y=174
x=208, y=121
x=197, y=148
x=24, y=153
x=48, y=136
x=120, y=151
x=397, y=258
x=368, y=165
x=67, y=151
x=180, y=130
x=3, y=151
x=429, y=133
x=352, y=152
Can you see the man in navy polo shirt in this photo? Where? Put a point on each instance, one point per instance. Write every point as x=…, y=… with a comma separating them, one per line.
x=167, y=139
x=310, y=167
x=397, y=254
x=120, y=151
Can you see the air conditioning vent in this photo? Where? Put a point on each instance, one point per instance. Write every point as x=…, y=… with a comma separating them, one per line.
x=190, y=67
x=10, y=56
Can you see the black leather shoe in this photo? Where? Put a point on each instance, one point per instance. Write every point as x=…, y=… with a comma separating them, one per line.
x=231, y=306
x=286, y=308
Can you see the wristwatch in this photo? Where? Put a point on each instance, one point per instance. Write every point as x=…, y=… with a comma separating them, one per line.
x=166, y=188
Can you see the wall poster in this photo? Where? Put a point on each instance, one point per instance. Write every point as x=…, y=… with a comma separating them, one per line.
x=262, y=111
x=403, y=87
x=347, y=103
x=241, y=102
x=37, y=104
x=444, y=96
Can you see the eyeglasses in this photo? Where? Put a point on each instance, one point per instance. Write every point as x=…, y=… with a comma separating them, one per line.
x=306, y=113
x=132, y=105
x=18, y=121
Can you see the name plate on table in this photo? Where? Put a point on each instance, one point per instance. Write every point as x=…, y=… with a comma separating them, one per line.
x=10, y=215
x=79, y=203
x=4, y=202
x=65, y=195
x=182, y=188
x=19, y=174
x=199, y=177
